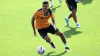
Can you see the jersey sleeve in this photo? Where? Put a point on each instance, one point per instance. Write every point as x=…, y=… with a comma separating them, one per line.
x=35, y=15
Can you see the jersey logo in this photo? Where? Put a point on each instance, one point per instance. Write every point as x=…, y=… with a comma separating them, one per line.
x=46, y=14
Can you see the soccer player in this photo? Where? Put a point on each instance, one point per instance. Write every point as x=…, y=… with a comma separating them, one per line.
x=72, y=5
x=40, y=18
x=52, y=4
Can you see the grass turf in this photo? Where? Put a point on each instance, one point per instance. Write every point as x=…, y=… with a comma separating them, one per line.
x=16, y=34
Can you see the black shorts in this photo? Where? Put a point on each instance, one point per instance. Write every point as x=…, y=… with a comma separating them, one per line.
x=72, y=4
x=50, y=29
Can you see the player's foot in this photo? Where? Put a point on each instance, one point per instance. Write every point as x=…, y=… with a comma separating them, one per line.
x=67, y=21
x=53, y=46
x=67, y=49
x=77, y=25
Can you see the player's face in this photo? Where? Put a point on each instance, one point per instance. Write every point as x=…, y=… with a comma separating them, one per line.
x=45, y=6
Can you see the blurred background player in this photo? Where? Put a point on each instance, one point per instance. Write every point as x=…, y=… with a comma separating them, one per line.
x=52, y=4
x=41, y=18
x=72, y=5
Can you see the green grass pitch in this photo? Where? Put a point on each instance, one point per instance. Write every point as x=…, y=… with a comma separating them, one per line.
x=16, y=34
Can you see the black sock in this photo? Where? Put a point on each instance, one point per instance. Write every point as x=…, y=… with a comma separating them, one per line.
x=52, y=43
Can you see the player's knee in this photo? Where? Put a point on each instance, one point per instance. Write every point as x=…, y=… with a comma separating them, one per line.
x=74, y=10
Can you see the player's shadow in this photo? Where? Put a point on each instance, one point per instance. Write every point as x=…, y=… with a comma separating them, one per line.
x=54, y=8
x=50, y=54
x=72, y=31
x=84, y=2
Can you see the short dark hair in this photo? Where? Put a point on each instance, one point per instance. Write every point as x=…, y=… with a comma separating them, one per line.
x=45, y=2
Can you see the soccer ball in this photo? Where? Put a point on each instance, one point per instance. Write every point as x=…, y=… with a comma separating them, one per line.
x=77, y=1
x=41, y=50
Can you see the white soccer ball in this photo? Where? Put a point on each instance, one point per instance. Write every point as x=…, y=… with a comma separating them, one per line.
x=77, y=1
x=41, y=50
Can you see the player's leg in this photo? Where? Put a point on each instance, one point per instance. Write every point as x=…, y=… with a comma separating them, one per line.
x=72, y=5
x=60, y=1
x=48, y=40
x=74, y=14
x=43, y=34
x=53, y=31
x=67, y=19
x=58, y=33
x=51, y=3
x=70, y=15
x=69, y=5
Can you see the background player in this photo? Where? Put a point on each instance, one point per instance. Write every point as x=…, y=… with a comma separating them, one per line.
x=72, y=5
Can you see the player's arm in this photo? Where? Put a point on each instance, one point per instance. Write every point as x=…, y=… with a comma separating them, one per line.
x=52, y=18
x=54, y=24
x=32, y=22
x=53, y=21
